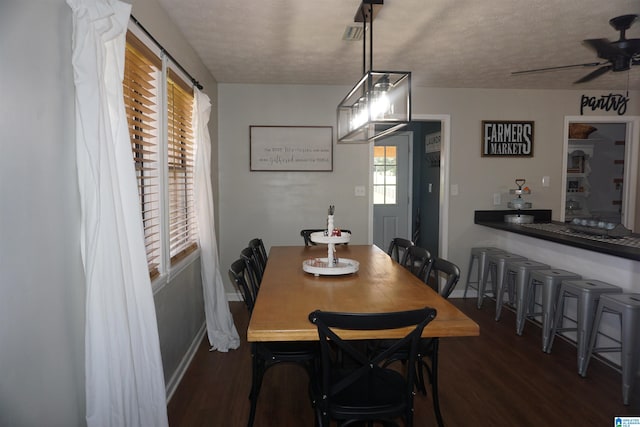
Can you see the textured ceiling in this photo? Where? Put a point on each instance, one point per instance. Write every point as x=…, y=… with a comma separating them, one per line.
x=444, y=43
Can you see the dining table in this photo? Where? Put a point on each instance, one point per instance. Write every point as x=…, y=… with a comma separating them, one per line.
x=288, y=294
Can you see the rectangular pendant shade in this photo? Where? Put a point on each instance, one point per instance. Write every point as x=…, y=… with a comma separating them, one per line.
x=380, y=103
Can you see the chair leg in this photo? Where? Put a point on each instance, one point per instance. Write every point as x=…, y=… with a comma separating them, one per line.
x=257, y=371
x=420, y=377
x=434, y=382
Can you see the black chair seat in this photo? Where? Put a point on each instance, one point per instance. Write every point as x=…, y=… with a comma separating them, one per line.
x=376, y=394
x=285, y=351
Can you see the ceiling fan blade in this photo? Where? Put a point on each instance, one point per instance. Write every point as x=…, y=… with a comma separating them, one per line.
x=604, y=48
x=562, y=67
x=594, y=74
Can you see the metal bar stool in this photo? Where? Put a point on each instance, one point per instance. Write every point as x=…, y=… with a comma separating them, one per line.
x=496, y=263
x=479, y=255
x=627, y=307
x=517, y=276
x=587, y=294
x=550, y=281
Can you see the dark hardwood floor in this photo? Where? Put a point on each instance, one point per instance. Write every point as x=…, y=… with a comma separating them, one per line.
x=496, y=379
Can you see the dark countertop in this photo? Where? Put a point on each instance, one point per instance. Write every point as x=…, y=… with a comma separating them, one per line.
x=495, y=219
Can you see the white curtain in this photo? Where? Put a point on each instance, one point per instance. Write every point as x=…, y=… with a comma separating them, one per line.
x=123, y=372
x=221, y=331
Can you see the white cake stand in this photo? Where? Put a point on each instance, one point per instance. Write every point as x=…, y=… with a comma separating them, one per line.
x=330, y=266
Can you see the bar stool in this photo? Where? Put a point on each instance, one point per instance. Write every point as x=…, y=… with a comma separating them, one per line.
x=496, y=263
x=627, y=307
x=517, y=276
x=587, y=294
x=550, y=281
x=478, y=254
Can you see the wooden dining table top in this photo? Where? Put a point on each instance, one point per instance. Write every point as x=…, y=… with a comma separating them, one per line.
x=288, y=294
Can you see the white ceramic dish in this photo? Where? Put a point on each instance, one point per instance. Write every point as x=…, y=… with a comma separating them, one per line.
x=320, y=266
x=319, y=237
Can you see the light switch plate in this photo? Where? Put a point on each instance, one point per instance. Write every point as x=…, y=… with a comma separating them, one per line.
x=359, y=191
x=454, y=189
x=546, y=181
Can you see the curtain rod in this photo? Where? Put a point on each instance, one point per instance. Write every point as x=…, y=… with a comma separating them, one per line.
x=163, y=50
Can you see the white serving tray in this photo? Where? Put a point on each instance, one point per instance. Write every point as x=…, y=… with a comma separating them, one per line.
x=319, y=237
x=320, y=266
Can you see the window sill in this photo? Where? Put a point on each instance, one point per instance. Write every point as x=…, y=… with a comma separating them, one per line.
x=162, y=280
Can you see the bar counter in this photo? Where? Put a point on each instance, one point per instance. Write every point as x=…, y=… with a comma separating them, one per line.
x=554, y=231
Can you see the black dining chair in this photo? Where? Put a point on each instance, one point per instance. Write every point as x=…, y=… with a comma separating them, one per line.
x=306, y=235
x=259, y=253
x=427, y=359
x=264, y=355
x=357, y=387
x=398, y=247
x=250, y=257
x=418, y=261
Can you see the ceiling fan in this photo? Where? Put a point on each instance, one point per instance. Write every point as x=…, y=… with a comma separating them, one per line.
x=619, y=55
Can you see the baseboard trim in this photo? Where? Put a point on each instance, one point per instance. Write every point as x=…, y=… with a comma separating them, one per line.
x=175, y=379
x=234, y=296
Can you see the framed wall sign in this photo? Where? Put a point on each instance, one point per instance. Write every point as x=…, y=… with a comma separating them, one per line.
x=507, y=139
x=291, y=148
x=432, y=142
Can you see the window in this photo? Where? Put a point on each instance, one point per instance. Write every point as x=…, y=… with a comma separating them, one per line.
x=384, y=175
x=181, y=157
x=162, y=143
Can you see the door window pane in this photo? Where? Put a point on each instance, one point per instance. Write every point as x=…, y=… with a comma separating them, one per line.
x=384, y=175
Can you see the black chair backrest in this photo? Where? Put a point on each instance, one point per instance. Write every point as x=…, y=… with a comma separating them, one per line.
x=418, y=261
x=365, y=362
x=240, y=276
x=259, y=252
x=253, y=273
x=252, y=263
x=306, y=234
x=440, y=267
x=398, y=247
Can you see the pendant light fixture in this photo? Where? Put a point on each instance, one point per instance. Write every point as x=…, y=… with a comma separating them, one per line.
x=380, y=103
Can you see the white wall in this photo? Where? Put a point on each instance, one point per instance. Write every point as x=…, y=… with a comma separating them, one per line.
x=41, y=282
x=477, y=177
x=275, y=205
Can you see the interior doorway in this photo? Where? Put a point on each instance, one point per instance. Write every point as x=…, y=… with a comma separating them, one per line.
x=600, y=170
x=429, y=188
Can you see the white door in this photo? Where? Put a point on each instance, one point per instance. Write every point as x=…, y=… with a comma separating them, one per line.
x=391, y=189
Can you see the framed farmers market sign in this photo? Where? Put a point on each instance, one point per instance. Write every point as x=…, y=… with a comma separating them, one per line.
x=507, y=139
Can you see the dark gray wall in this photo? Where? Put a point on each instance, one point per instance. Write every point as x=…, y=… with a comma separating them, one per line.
x=424, y=172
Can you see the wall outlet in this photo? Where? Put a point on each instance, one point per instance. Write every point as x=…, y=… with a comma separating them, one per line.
x=496, y=199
